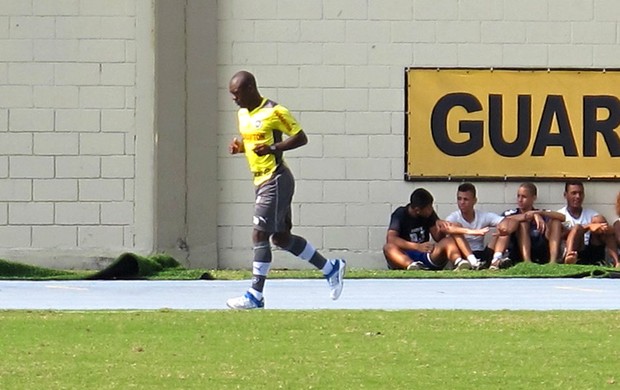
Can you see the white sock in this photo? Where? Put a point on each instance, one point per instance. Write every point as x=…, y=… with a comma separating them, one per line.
x=458, y=261
x=257, y=294
x=473, y=260
x=497, y=255
x=328, y=267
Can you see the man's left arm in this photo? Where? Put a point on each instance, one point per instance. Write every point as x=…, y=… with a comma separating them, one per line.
x=293, y=142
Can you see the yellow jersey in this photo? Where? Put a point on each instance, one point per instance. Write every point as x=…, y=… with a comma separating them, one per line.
x=265, y=125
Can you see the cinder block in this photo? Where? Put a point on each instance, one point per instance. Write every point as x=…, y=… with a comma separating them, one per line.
x=280, y=30
x=323, y=214
x=117, y=213
x=31, y=120
x=398, y=10
x=4, y=213
x=14, y=237
x=101, y=190
x=435, y=10
x=322, y=169
x=548, y=32
x=345, y=54
x=300, y=53
x=16, y=50
x=118, y=120
x=78, y=27
x=481, y=10
x=24, y=27
x=364, y=31
x=414, y=31
x=31, y=213
x=4, y=166
x=31, y=167
x=346, y=191
x=55, y=7
x=104, y=50
x=368, y=123
x=480, y=55
x=372, y=76
x=102, y=144
x=10, y=7
x=56, y=50
x=367, y=214
x=119, y=27
x=458, y=32
x=108, y=237
x=77, y=213
x=258, y=53
x=321, y=76
x=4, y=120
x=77, y=74
x=293, y=9
x=16, y=96
x=108, y=8
x=345, y=238
x=573, y=11
x=15, y=143
x=102, y=97
x=503, y=32
x=54, y=236
x=118, y=74
x=31, y=73
x=323, y=31
x=56, y=96
x=15, y=190
x=346, y=145
x=571, y=55
x=117, y=166
x=56, y=144
x=78, y=121
x=55, y=190
x=345, y=9
x=368, y=168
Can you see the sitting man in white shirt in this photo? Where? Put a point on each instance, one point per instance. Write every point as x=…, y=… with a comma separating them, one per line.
x=587, y=234
x=472, y=247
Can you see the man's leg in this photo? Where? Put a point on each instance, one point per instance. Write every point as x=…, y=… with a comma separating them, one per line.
x=554, y=237
x=574, y=243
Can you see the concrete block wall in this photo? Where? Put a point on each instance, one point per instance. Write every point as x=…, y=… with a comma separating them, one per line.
x=77, y=101
x=67, y=128
x=339, y=66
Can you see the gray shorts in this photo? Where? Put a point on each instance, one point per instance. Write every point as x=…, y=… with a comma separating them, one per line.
x=272, y=208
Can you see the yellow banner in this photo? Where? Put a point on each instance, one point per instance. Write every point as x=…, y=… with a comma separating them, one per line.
x=512, y=124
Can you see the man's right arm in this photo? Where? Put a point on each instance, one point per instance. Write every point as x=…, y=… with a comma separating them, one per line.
x=394, y=239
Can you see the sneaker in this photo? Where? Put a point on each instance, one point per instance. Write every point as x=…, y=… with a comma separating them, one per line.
x=462, y=265
x=501, y=263
x=416, y=265
x=245, y=302
x=335, y=278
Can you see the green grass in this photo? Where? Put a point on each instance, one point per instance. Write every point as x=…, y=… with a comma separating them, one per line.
x=309, y=350
x=163, y=267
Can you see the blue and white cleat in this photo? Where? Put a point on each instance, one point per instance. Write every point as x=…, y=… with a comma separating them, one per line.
x=245, y=302
x=335, y=278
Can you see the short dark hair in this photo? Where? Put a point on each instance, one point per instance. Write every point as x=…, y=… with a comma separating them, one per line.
x=530, y=187
x=572, y=183
x=467, y=187
x=420, y=198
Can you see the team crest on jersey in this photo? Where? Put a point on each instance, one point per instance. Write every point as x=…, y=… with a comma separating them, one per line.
x=258, y=124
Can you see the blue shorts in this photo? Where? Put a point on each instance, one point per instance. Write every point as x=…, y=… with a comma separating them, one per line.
x=424, y=258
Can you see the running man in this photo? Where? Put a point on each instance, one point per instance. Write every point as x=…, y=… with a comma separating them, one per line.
x=261, y=124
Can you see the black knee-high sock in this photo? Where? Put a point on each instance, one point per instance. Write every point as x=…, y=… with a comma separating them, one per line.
x=260, y=266
x=305, y=251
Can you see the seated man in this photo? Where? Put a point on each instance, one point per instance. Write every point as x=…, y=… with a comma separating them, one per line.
x=407, y=242
x=587, y=233
x=539, y=234
x=472, y=246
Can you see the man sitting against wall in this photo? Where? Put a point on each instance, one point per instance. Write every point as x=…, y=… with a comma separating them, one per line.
x=589, y=238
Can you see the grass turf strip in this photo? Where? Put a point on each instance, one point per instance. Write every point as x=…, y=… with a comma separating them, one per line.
x=163, y=267
x=313, y=349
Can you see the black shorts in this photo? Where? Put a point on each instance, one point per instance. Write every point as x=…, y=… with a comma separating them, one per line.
x=272, y=208
x=591, y=255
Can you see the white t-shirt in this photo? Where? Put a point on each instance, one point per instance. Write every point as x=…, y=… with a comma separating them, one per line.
x=481, y=220
x=584, y=219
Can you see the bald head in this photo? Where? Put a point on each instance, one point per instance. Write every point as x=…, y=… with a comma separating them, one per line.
x=243, y=88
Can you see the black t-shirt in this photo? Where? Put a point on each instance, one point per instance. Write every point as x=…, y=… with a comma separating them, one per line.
x=414, y=229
